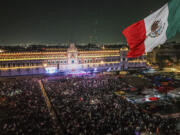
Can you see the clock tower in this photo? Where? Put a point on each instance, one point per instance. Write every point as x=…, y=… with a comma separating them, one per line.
x=72, y=53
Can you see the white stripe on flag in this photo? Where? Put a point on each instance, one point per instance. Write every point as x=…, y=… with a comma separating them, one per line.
x=162, y=16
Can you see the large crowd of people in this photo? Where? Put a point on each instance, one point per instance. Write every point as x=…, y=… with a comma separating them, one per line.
x=88, y=106
x=22, y=109
x=85, y=105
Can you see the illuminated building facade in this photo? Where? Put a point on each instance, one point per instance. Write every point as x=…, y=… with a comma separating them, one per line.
x=67, y=60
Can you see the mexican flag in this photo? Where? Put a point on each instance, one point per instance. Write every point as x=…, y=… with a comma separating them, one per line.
x=153, y=30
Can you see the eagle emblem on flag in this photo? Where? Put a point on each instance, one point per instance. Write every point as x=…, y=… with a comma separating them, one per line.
x=156, y=28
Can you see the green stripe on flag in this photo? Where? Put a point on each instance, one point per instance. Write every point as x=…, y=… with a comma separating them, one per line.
x=173, y=18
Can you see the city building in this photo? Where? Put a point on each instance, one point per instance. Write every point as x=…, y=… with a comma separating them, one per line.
x=167, y=55
x=67, y=60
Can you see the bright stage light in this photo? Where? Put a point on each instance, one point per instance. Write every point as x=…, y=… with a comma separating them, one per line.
x=95, y=70
x=51, y=70
x=45, y=65
x=76, y=73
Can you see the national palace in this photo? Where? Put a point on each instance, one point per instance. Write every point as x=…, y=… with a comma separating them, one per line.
x=67, y=60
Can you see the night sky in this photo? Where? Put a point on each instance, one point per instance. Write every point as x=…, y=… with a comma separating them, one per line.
x=51, y=21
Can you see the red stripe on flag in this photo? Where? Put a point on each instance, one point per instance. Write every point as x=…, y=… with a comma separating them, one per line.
x=135, y=35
